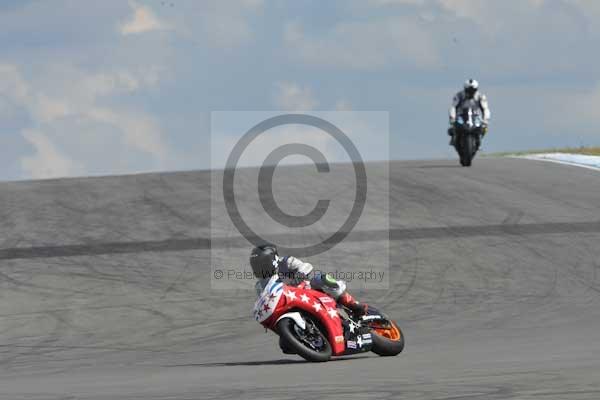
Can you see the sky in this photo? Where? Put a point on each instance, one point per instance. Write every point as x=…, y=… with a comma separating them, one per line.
x=114, y=87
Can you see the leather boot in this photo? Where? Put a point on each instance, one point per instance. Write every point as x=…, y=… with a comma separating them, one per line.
x=357, y=308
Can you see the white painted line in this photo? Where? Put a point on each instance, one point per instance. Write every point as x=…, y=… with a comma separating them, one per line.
x=576, y=160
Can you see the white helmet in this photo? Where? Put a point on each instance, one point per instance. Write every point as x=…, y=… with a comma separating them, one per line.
x=471, y=87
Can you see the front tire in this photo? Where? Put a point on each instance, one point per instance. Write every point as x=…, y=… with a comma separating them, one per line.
x=460, y=145
x=468, y=150
x=298, y=341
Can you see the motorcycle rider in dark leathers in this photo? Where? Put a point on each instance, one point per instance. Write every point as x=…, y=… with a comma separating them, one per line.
x=266, y=262
x=470, y=92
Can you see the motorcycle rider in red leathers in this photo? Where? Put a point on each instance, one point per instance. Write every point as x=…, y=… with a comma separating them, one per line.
x=266, y=262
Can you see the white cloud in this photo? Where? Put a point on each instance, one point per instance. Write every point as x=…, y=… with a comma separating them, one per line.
x=11, y=82
x=142, y=20
x=47, y=109
x=48, y=161
x=139, y=131
x=493, y=39
x=58, y=109
x=293, y=97
x=253, y=3
x=575, y=110
x=343, y=105
x=255, y=154
x=215, y=23
x=369, y=44
x=264, y=144
x=368, y=131
x=465, y=8
x=100, y=84
x=396, y=2
x=462, y=7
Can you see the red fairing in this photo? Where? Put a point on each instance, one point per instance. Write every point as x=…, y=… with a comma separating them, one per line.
x=319, y=304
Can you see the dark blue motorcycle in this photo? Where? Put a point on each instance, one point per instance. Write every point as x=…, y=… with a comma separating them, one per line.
x=468, y=130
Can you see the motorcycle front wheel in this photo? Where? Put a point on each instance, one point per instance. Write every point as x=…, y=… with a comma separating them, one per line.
x=310, y=343
x=467, y=150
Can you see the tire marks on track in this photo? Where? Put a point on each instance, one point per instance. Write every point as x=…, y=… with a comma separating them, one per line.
x=202, y=243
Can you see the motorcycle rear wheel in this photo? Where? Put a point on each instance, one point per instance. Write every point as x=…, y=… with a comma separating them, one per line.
x=387, y=341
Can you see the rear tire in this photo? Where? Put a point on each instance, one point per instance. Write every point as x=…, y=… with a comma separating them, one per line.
x=386, y=347
x=286, y=330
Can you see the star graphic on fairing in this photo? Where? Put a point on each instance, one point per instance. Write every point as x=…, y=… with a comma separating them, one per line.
x=332, y=313
x=266, y=307
x=352, y=326
x=359, y=341
x=290, y=295
x=271, y=296
x=304, y=298
x=317, y=306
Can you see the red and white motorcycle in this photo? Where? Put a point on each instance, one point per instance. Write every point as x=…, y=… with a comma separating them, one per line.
x=311, y=324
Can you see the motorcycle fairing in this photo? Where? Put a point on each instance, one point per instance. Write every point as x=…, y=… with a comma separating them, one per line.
x=265, y=305
x=277, y=299
x=324, y=311
x=357, y=337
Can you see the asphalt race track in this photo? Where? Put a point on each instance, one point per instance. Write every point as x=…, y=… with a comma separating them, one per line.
x=105, y=291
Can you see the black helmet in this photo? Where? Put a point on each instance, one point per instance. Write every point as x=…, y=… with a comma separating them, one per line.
x=263, y=260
